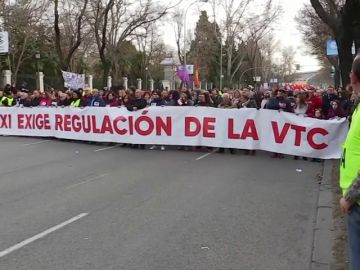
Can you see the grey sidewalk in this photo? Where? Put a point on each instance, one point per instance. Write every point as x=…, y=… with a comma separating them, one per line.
x=324, y=235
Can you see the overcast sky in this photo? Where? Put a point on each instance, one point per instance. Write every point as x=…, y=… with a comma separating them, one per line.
x=288, y=34
x=286, y=30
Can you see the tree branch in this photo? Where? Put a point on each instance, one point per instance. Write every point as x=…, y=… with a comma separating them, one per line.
x=333, y=8
x=325, y=17
x=78, y=34
x=103, y=34
x=58, y=33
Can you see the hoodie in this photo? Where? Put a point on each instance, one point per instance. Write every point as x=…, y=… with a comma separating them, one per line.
x=96, y=101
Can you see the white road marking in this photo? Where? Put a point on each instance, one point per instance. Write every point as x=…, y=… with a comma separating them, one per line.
x=40, y=235
x=106, y=148
x=34, y=143
x=88, y=180
x=204, y=156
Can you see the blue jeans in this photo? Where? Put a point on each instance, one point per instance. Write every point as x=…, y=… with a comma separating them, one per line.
x=353, y=222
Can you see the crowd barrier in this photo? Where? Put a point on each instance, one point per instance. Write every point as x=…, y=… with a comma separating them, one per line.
x=251, y=129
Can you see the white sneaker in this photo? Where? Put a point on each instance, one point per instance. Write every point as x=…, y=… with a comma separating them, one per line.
x=162, y=148
x=153, y=147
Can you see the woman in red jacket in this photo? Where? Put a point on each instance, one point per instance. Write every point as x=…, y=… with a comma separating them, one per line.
x=315, y=102
x=45, y=99
x=112, y=100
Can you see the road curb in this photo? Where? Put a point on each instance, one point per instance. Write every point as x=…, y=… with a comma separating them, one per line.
x=322, y=255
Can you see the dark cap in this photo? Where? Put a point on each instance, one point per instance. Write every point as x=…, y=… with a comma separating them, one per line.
x=7, y=89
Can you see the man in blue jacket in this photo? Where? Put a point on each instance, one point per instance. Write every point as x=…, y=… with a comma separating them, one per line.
x=96, y=100
x=279, y=102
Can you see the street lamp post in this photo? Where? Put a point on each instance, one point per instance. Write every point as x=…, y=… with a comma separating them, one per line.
x=37, y=58
x=187, y=9
x=253, y=68
x=221, y=47
x=146, y=78
x=221, y=65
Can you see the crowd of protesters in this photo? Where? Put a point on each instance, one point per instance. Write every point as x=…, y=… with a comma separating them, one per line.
x=315, y=103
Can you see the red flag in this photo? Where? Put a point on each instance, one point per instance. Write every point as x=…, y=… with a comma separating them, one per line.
x=196, y=76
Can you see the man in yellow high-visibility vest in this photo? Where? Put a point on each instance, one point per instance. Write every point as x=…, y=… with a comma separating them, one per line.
x=7, y=99
x=350, y=174
x=76, y=101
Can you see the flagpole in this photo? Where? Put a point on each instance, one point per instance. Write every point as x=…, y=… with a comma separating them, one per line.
x=221, y=47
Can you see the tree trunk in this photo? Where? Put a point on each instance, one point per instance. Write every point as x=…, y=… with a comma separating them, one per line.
x=116, y=74
x=337, y=78
x=345, y=57
x=106, y=70
x=229, y=66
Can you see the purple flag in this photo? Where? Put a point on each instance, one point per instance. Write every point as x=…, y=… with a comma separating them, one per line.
x=183, y=74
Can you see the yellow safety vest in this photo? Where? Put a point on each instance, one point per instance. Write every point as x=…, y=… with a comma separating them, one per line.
x=75, y=103
x=350, y=160
x=9, y=101
x=1, y=101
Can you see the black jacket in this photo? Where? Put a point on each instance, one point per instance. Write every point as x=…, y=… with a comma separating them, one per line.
x=35, y=102
x=346, y=105
x=217, y=101
x=63, y=103
x=157, y=102
x=326, y=102
x=138, y=103
x=273, y=104
x=25, y=102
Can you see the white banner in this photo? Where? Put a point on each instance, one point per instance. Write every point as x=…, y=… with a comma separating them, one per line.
x=73, y=80
x=4, y=42
x=194, y=126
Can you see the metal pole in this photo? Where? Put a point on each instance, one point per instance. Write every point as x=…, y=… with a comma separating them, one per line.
x=186, y=11
x=146, y=79
x=339, y=70
x=185, y=36
x=253, y=68
x=146, y=83
x=221, y=64
x=221, y=47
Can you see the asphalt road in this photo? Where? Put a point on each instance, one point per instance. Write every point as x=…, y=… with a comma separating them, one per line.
x=68, y=205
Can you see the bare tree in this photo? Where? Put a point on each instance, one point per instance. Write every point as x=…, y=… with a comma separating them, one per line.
x=268, y=46
x=178, y=30
x=234, y=21
x=315, y=34
x=72, y=26
x=341, y=16
x=23, y=21
x=115, y=21
x=152, y=50
x=287, y=61
x=243, y=29
x=148, y=41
